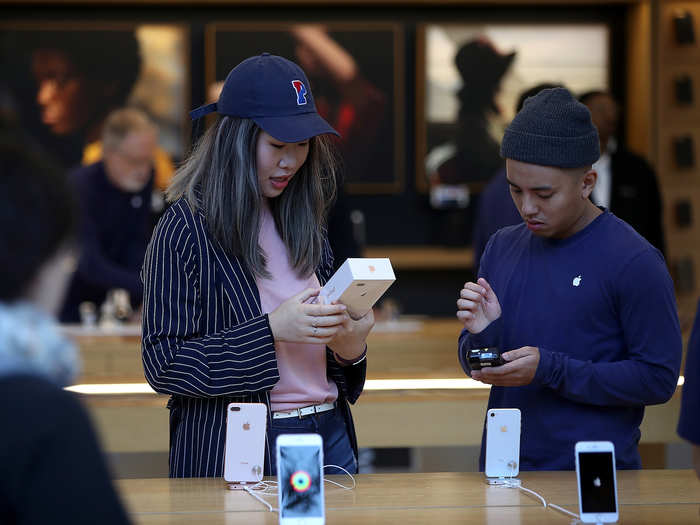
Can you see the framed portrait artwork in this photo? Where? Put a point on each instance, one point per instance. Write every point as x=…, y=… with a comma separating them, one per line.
x=63, y=79
x=470, y=78
x=356, y=75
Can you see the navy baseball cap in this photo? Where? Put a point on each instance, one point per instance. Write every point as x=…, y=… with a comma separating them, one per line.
x=274, y=92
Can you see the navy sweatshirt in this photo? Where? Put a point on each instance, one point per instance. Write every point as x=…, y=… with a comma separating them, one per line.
x=688, y=423
x=600, y=307
x=114, y=231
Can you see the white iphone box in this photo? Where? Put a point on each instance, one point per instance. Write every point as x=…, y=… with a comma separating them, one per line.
x=300, y=479
x=358, y=284
x=597, y=482
x=502, y=443
x=244, y=452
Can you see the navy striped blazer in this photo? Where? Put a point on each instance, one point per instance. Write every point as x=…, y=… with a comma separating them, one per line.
x=206, y=341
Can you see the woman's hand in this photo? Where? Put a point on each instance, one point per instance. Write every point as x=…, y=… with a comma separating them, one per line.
x=349, y=341
x=296, y=321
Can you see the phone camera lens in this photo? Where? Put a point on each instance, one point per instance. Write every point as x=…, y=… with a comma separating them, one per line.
x=493, y=415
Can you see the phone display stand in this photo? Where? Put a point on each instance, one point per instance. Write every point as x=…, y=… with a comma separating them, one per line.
x=241, y=485
x=504, y=482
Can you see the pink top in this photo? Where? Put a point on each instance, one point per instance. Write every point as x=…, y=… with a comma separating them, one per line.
x=302, y=366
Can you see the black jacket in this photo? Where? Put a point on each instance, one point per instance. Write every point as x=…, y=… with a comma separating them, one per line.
x=635, y=196
x=52, y=468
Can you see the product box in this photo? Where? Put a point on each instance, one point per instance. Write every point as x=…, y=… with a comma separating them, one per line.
x=358, y=284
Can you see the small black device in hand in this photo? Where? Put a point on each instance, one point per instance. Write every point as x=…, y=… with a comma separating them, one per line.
x=485, y=358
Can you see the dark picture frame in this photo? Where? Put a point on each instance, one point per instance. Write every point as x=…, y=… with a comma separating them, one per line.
x=429, y=133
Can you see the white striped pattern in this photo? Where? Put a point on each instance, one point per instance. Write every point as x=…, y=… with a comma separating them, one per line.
x=206, y=341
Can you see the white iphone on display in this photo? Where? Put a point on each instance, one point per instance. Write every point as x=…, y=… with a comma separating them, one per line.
x=300, y=478
x=597, y=483
x=244, y=452
x=502, y=443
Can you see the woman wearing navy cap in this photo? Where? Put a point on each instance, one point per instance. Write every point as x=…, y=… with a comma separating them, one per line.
x=232, y=269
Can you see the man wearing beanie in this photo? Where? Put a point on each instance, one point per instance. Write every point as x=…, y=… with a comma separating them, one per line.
x=581, y=305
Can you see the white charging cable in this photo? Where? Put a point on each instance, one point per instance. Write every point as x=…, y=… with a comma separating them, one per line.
x=260, y=499
x=514, y=483
x=354, y=484
x=560, y=509
x=266, y=488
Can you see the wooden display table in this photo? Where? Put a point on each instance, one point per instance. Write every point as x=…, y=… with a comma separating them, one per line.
x=645, y=497
x=408, y=349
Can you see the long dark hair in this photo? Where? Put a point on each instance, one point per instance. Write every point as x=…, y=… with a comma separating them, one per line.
x=220, y=178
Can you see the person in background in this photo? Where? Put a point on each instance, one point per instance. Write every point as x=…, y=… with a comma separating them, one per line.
x=688, y=424
x=459, y=169
x=232, y=268
x=496, y=209
x=53, y=469
x=581, y=305
x=117, y=213
x=163, y=166
x=69, y=81
x=627, y=184
x=79, y=77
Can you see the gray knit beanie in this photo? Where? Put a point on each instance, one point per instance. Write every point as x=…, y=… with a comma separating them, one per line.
x=552, y=129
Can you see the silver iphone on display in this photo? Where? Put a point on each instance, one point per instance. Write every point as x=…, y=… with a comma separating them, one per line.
x=597, y=484
x=502, y=443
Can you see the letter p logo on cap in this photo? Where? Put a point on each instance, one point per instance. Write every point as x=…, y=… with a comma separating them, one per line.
x=300, y=90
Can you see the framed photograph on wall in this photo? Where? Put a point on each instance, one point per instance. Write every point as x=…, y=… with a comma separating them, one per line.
x=61, y=80
x=470, y=77
x=356, y=75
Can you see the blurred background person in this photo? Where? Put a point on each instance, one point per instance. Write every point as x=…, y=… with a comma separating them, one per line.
x=496, y=209
x=688, y=424
x=627, y=184
x=118, y=212
x=52, y=466
x=79, y=78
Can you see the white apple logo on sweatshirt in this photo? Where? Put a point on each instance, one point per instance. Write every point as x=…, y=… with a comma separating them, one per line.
x=577, y=280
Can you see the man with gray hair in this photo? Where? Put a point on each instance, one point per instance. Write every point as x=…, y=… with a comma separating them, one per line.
x=117, y=211
x=581, y=305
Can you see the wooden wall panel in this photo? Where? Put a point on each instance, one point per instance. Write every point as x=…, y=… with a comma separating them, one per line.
x=639, y=87
x=673, y=59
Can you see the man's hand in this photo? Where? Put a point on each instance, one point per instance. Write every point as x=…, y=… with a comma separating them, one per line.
x=477, y=306
x=518, y=371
